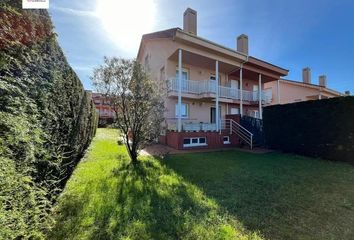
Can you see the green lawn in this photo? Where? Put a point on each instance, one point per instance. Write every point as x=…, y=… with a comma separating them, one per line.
x=220, y=195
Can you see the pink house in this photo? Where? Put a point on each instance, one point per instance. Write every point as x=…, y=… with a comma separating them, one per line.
x=295, y=91
x=106, y=114
x=208, y=86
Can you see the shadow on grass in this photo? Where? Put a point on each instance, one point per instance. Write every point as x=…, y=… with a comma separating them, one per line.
x=148, y=201
x=282, y=196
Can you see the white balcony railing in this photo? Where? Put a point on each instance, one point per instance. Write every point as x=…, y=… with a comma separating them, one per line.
x=191, y=126
x=209, y=87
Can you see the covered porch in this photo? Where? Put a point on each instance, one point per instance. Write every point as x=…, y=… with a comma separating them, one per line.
x=200, y=114
x=204, y=76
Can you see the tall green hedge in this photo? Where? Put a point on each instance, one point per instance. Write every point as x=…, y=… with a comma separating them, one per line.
x=322, y=128
x=47, y=121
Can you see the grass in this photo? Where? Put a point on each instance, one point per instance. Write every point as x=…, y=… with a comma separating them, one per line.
x=217, y=195
x=281, y=196
x=106, y=198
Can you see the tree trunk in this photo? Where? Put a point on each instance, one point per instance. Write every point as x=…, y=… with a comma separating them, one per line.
x=133, y=154
x=134, y=159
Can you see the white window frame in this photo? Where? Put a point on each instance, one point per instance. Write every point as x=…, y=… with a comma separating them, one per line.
x=212, y=75
x=228, y=140
x=197, y=144
x=187, y=110
x=255, y=93
x=233, y=108
x=254, y=113
x=237, y=83
x=184, y=70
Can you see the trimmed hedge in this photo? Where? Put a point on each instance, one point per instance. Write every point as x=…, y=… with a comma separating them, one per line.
x=323, y=129
x=47, y=121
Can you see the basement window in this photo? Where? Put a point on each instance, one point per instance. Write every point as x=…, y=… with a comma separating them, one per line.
x=194, y=142
x=226, y=140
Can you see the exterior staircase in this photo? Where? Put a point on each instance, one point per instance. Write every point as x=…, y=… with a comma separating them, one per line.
x=234, y=127
x=249, y=130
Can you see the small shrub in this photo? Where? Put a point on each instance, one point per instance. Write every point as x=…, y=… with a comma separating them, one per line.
x=120, y=141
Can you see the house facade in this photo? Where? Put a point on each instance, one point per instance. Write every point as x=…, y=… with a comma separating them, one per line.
x=106, y=114
x=294, y=91
x=208, y=86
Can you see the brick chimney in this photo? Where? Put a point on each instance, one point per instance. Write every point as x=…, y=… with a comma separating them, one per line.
x=306, y=75
x=322, y=81
x=190, y=21
x=242, y=44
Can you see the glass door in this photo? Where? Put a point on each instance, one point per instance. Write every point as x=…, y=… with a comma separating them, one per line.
x=213, y=83
x=234, y=88
x=184, y=79
x=213, y=114
x=255, y=93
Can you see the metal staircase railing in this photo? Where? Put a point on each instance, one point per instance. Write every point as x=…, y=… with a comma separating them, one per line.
x=235, y=127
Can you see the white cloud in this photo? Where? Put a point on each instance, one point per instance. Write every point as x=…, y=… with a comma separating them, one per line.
x=76, y=12
x=118, y=23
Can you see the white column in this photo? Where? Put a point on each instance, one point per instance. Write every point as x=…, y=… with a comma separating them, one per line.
x=260, y=95
x=241, y=93
x=217, y=95
x=179, y=90
x=278, y=90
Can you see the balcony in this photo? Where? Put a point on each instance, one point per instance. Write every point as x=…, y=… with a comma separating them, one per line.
x=191, y=126
x=207, y=88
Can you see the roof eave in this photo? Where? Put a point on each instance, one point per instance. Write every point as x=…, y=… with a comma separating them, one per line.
x=312, y=86
x=168, y=33
x=177, y=33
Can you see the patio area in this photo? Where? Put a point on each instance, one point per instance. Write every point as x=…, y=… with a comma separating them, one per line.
x=163, y=150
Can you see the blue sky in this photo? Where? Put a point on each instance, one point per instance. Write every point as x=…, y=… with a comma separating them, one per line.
x=291, y=34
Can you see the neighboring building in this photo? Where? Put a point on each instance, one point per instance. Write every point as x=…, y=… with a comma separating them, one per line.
x=105, y=112
x=208, y=85
x=294, y=91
